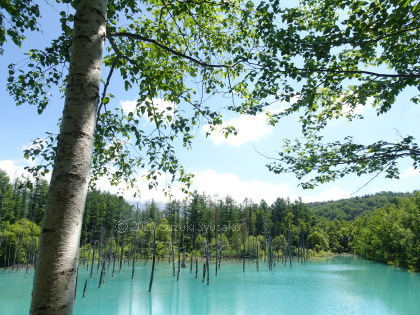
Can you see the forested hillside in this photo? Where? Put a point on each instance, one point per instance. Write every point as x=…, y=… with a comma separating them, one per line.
x=382, y=227
x=351, y=208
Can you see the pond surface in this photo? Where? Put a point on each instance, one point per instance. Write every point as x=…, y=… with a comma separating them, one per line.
x=335, y=285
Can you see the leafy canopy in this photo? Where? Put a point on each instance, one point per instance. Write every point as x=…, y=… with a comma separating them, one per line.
x=175, y=54
x=324, y=58
x=332, y=57
x=15, y=18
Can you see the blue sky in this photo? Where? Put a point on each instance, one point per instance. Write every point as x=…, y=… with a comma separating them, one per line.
x=221, y=166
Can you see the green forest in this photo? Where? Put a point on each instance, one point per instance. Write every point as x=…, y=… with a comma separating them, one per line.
x=382, y=227
x=312, y=62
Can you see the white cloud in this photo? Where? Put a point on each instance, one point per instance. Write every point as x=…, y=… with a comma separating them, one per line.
x=410, y=172
x=141, y=191
x=358, y=110
x=128, y=106
x=223, y=184
x=250, y=128
x=346, y=109
x=293, y=99
x=210, y=182
x=161, y=106
x=335, y=193
x=16, y=168
x=218, y=185
x=12, y=168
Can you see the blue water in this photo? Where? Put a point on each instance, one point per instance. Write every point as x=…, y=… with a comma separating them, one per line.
x=337, y=285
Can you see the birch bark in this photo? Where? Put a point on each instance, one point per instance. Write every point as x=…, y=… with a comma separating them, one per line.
x=55, y=275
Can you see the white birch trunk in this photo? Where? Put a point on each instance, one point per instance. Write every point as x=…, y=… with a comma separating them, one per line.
x=55, y=275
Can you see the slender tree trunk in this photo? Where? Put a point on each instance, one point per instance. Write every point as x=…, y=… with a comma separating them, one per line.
x=2, y=237
x=289, y=247
x=102, y=276
x=17, y=251
x=93, y=259
x=196, y=268
x=217, y=252
x=258, y=257
x=153, y=259
x=243, y=241
x=135, y=245
x=55, y=276
x=134, y=256
x=221, y=247
x=114, y=257
x=207, y=264
x=173, y=258
x=122, y=253
x=84, y=288
x=100, y=249
x=8, y=255
x=75, y=287
x=191, y=264
x=179, y=263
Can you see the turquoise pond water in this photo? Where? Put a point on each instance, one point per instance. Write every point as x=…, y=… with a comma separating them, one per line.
x=336, y=285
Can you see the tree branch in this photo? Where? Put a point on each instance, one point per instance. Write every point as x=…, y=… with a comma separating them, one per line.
x=172, y=51
x=179, y=29
x=377, y=39
x=384, y=75
x=108, y=80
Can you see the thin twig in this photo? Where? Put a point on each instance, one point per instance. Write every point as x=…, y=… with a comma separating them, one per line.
x=172, y=51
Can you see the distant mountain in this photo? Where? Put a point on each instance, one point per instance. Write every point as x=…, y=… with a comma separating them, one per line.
x=349, y=209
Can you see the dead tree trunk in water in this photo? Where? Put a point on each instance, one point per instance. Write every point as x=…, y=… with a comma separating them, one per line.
x=135, y=245
x=191, y=263
x=179, y=263
x=93, y=259
x=258, y=257
x=289, y=240
x=101, y=278
x=196, y=268
x=207, y=265
x=173, y=258
x=153, y=259
x=243, y=242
